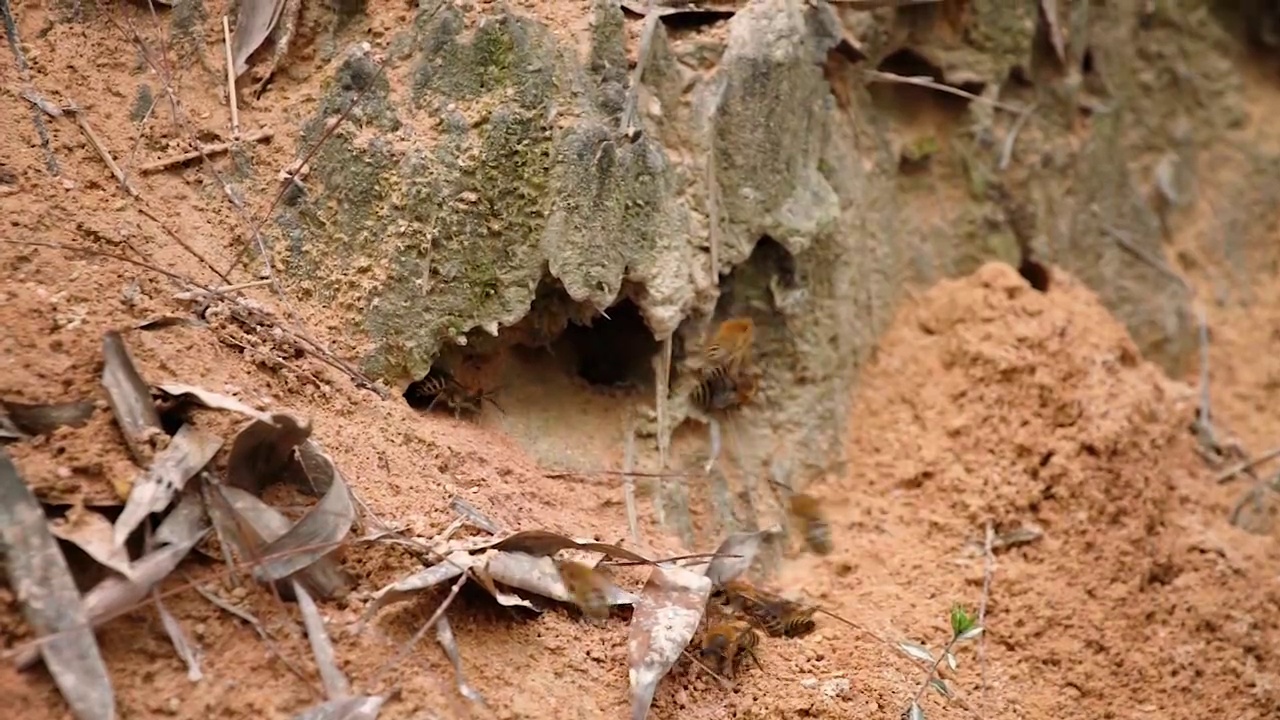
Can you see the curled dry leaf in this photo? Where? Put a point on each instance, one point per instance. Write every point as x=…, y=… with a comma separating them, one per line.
x=188, y=453
x=736, y=553
x=253, y=528
x=28, y=420
x=93, y=534
x=666, y=616
x=361, y=707
x=263, y=451
x=335, y=683
x=117, y=595
x=544, y=542
x=254, y=21
x=51, y=604
x=211, y=400
x=539, y=574
x=129, y=397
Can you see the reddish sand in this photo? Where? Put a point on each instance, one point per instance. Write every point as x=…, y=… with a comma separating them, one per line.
x=987, y=402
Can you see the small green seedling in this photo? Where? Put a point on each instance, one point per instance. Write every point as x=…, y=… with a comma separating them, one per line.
x=964, y=627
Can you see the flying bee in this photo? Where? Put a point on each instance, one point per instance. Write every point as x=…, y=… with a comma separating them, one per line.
x=778, y=616
x=720, y=389
x=439, y=386
x=587, y=587
x=807, y=510
x=723, y=645
x=730, y=347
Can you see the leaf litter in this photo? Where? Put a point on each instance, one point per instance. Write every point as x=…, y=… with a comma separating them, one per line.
x=51, y=604
x=20, y=421
x=666, y=618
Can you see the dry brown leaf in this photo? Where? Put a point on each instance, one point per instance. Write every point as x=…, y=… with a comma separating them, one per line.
x=92, y=533
x=336, y=686
x=43, y=419
x=167, y=321
x=480, y=574
x=187, y=453
x=361, y=707
x=50, y=602
x=745, y=546
x=116, y=595
x=263, y=451
x=187, y=518
x=129, y=397
x=251, y=526
x=211, y=400
x=666, y=616
x=714, y=10
x=254, y=21
x=317, y=534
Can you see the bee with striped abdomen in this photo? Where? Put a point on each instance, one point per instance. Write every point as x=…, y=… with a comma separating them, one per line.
x=587, y=588
x=725, y=643
x=778, y=616
x=807, y=511
x=440, y=386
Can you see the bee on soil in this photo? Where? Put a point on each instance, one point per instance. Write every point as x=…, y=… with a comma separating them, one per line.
x=587, y=587
x=724, y=644
x=807, y=510
x=440, y=387
x=778, y=616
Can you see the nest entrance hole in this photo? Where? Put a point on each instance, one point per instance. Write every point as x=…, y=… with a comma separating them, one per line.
x=615, y=350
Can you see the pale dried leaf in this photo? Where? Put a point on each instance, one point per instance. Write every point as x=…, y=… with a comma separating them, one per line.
x=211, y=400
x=480, y=574
x=51, y=604
x=939, y=686
x=129, y=397
x=666, y=617
x=43, y=419
x=361, y=707
x=970, y=634
x=251, y=526
x=92, y=533
x=952, y=662
x=444, y=636
x=117, y=595
x=254, y=21
x=538, y=574
x=187, y=651
x=402, y=589
x=186, y=519
x=263, y=451
x=187, y=453
x=335, y=683
x=745, y=546
x=915, y=712
x=474, y=516
x=916, y=652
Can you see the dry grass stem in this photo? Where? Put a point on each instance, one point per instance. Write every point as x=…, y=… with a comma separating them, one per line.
x=206, y=150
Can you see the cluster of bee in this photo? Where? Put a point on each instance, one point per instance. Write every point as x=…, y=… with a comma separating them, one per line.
x=727, y=377
x=440, y=387
x=744, y=611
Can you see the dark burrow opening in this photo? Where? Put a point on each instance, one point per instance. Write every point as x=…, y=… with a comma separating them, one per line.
x=614, y=350
x=1034, y=273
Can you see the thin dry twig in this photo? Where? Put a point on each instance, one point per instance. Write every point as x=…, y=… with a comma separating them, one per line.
x=628, y=480
x=988, y=572
x=1006, y=150
x=927, y=82
x=205, y=151
x=24, y=72
x=1230, y=473
x=651, y=21
x=408, y=647
x=231, y=78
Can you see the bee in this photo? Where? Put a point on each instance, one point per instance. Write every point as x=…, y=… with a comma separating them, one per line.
x=723, y=645
x=730, y=347
x=587, y=587
x=817, y=531
x=439, y=386
x=778, y=616
x=719, y=389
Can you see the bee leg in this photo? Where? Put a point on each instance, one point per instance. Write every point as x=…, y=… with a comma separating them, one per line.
x=754, y=659
x=713, y=435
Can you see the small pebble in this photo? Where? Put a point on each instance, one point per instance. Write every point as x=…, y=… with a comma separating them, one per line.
x=240, y=593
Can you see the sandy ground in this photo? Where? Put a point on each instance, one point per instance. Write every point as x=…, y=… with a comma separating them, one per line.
x=1138, y=599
